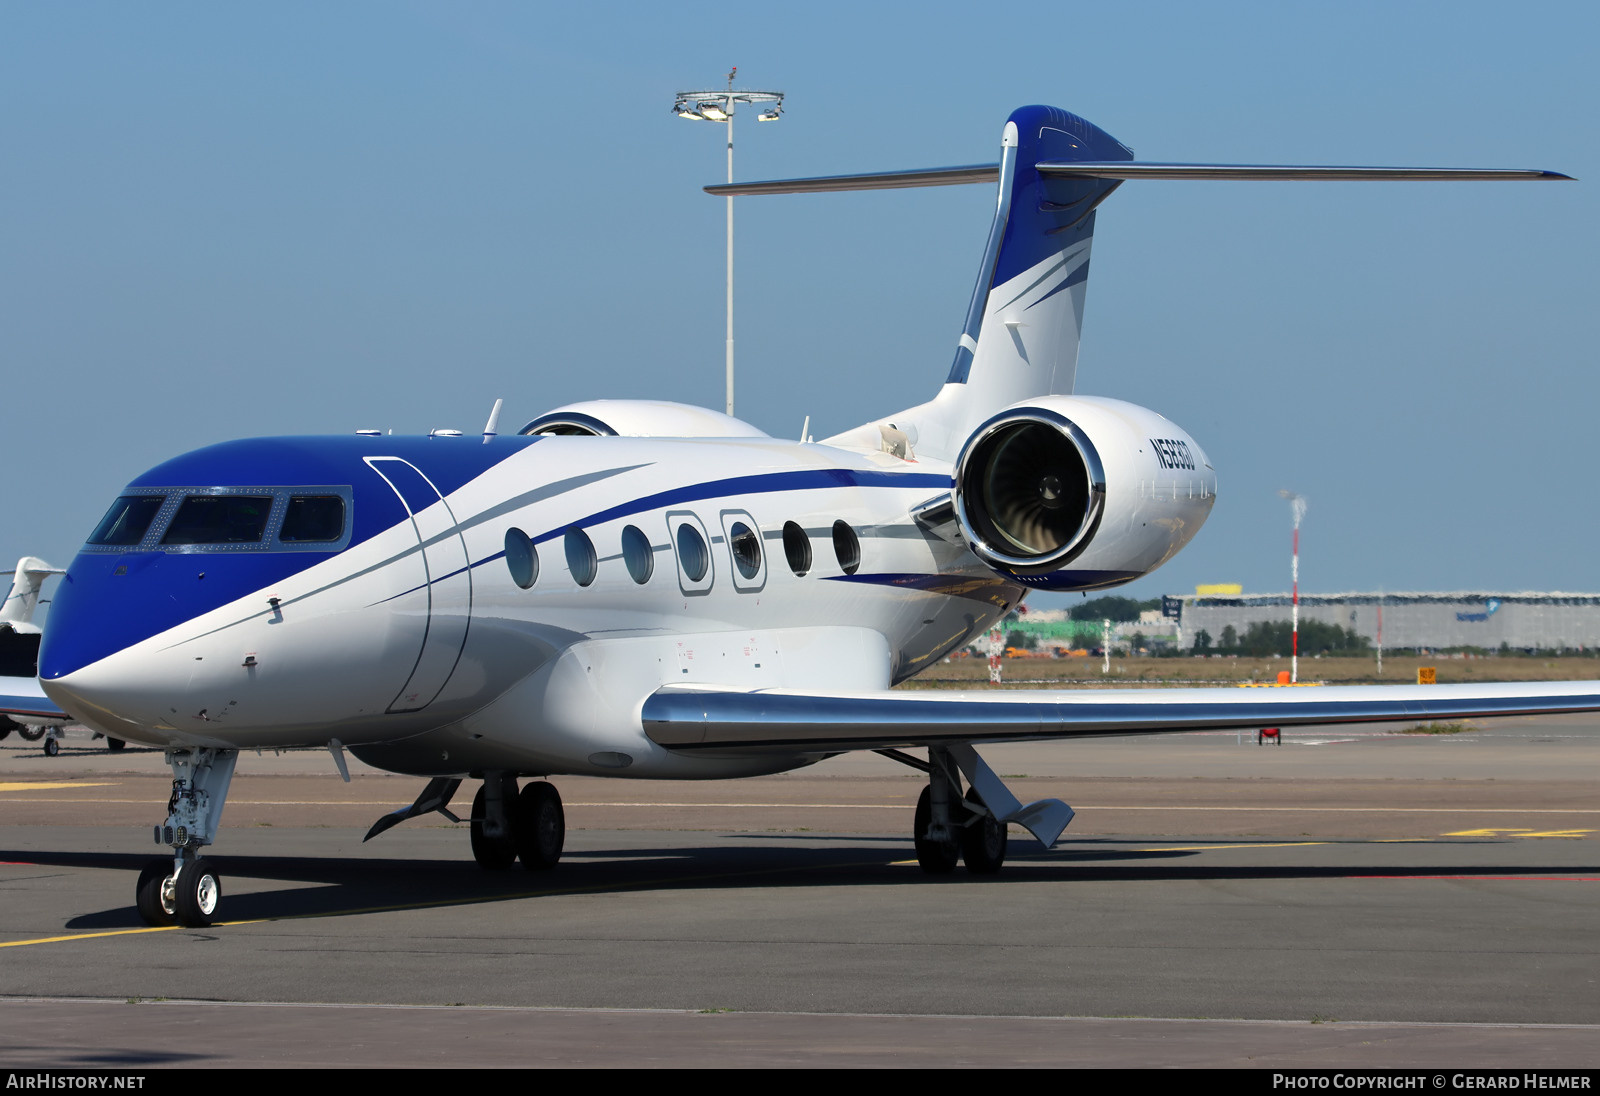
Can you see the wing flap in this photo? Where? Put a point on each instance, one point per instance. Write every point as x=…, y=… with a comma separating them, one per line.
x=709, y=718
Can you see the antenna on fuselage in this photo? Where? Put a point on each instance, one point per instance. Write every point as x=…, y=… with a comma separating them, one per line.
x=492, y=427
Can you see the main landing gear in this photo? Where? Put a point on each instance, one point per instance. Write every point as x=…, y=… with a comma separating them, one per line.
x=508, y=825
x=184, y=888
x=950, y=828
x=971, y=829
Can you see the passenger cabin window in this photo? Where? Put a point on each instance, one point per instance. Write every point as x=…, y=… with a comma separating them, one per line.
x=743, y=538
x=581, y=560
x=129, y=518
x=692, y=547
x=693, y=554
x=796, y=548
x=311, y=518
x=522, y=558
x=220, y=519
x=746, y=549
x=637, y=553
x=846, y=548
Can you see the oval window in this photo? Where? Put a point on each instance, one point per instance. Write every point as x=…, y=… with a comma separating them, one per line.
x=693, y=555
x=580, y=556
x=522, y=559
x=796, y=548
x=846, y=547
x=746, y=549
x=637, y=554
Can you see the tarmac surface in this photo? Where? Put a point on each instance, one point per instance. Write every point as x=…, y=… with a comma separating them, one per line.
x=1347, y=899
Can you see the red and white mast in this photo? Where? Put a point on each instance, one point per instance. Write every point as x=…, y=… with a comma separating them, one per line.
x=1298, y=504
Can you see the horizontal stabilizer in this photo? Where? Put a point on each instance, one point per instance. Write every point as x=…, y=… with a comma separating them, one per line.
x=683, y=717
x=880, y=180
x=1133, y=169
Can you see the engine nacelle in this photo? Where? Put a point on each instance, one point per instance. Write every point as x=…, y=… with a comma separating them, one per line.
x=639, y=419
x=1079, y=493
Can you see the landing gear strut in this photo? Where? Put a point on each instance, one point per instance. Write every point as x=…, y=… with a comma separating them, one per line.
x=493, y=820
x=507, y=825
x=185, y=889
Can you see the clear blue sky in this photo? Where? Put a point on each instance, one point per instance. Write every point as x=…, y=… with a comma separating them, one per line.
x=232, y=219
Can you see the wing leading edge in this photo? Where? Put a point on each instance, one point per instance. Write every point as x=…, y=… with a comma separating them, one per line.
x=23, y=699
x=706, y=718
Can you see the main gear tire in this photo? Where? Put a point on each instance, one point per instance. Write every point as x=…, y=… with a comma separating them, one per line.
x=936, y=857
x=541, y=829
x=492, y=853
x=983, y=839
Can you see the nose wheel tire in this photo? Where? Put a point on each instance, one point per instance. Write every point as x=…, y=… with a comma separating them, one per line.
x=51, y=747
x=983, y=843
x=115, y=743
x=936, y=857
x=492, y=853
x=153, y=894
x=197, y=892
x=541, y=828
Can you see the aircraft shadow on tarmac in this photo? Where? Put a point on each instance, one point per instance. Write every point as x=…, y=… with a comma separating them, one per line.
x=352, y=886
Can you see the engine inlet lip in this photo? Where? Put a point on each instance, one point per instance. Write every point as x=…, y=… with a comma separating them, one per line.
x=973, y=519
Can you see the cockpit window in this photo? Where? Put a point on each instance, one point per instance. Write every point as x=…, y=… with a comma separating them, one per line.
x=254, y=518
x=312, y=518
x=220, y=519
x=128, y=520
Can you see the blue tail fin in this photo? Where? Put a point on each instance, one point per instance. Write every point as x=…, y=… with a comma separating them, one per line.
x=1021, y=334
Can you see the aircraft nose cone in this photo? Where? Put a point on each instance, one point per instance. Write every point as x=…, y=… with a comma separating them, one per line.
x=116, y=695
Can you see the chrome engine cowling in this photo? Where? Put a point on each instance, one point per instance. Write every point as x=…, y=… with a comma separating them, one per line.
x=1077, y=492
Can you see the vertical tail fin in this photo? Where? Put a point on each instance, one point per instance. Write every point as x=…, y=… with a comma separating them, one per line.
x=20, y=603
x=1021, y=335
x=1022, y=329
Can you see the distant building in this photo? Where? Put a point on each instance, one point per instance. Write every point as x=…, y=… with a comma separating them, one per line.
x=1525, y=621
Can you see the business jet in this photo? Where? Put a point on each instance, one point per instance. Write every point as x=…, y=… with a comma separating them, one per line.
x=642, y=589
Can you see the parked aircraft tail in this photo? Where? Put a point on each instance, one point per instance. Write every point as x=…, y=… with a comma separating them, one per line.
x=20, y=603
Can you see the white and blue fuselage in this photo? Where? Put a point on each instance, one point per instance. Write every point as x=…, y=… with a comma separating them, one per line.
x=406, y=634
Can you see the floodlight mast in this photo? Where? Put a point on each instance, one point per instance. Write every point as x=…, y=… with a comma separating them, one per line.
x=718, y=106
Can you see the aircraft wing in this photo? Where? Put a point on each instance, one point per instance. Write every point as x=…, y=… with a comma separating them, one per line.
x=709, y=718
x=22, y=699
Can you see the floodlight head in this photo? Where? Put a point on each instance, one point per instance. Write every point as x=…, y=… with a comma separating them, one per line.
x=770, y=115
x=713, y=111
